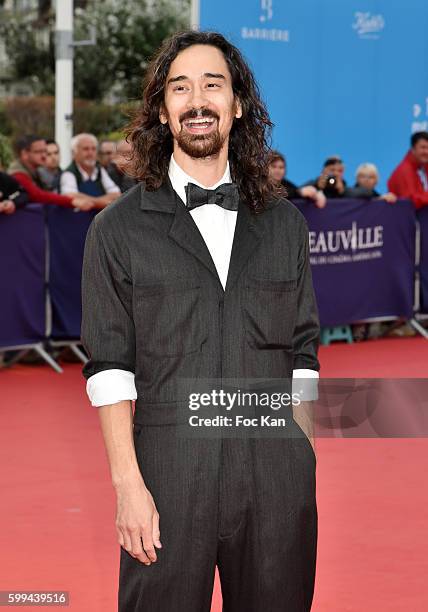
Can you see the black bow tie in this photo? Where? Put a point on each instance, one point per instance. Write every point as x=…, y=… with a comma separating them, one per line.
x=226, y=196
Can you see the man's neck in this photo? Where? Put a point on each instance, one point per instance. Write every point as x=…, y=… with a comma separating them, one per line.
x=207, y=171
x=88, y=169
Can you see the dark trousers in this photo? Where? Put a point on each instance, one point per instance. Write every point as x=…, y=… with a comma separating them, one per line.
x=245, y=505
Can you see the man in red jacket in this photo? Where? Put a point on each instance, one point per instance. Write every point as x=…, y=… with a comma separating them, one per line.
x=410, y=178
x=31, y=152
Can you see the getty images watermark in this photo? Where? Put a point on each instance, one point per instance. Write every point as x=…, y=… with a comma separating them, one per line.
x=238, y=400
x=242, y=407
x=325, y=407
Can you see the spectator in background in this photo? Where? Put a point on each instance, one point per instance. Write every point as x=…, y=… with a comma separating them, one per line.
x=410, y=178
x=50, y=173
x=12, y=195
x=85, y=174
x=277, y=171
x=31, y=154
x=367, y=177
x=117, y=167
x=331, y=181
x=106, y=152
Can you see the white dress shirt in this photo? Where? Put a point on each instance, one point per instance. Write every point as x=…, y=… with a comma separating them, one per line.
x=217, y=226
x=69, y=184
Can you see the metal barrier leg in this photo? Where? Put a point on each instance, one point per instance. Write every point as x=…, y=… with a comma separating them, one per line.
x=15, y=358
x=76, y=350
x=418, y=327
x=45, y=355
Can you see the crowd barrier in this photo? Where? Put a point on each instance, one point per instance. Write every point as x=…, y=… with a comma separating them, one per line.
x=23, y=291
x=67, y=232
x=362, y=256
x=362, y=259
x=423, y=266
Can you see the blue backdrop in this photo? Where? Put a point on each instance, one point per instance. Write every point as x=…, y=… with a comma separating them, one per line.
x=347, y=77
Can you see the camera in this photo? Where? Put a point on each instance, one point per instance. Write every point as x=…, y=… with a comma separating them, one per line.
x=330, y=189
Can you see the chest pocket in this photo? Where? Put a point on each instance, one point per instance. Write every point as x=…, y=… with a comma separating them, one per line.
x=269, y=310
x=168, y=318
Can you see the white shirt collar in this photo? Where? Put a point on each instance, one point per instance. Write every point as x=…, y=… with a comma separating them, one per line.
x=85, y=175
x=179, y=179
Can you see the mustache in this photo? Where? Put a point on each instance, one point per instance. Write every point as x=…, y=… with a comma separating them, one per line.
x=197, y=114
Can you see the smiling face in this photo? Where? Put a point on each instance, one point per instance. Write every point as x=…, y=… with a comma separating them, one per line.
x=199, y=104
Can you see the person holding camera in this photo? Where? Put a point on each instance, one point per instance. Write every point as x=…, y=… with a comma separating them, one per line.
x=331, y=181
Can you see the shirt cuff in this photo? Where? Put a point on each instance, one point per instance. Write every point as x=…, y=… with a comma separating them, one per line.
x=111, y=386
x=114, y=385
x=305, y=384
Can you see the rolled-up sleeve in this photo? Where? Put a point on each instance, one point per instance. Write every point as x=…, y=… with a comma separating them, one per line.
x=111, y=386
x=307, y=327
x=107, y=330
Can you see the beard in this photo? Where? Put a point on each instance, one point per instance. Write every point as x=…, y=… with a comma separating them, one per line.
x=90, y=162
x=200, y=145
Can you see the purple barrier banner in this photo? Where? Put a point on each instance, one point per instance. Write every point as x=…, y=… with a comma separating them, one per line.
x=22, y=276
x=422, y=215
x=362, y=259
x=67, y=234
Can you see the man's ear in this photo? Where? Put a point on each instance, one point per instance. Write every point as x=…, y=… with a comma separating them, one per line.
x=238, y=108
x=163, y=117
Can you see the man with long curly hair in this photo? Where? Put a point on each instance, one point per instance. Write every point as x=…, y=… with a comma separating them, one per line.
x=201, y=272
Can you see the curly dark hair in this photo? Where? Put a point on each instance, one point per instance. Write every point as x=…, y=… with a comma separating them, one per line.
x=249, y=139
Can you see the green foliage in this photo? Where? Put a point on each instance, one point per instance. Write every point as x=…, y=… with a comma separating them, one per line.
x=30, y=53
x=98, y=118
x=6, y=153
x=30, y=115
x=5, y=126
x=114, y=136
x=127, y=35
x=35, y=115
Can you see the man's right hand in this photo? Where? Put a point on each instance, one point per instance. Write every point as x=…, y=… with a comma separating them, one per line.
x=137, y=519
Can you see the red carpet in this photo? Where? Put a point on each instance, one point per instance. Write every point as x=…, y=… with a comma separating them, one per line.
x=58, y=506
